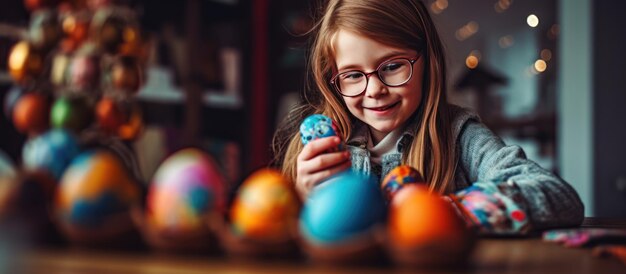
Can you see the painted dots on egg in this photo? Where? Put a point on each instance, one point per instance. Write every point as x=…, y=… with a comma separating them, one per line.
x=398, y=178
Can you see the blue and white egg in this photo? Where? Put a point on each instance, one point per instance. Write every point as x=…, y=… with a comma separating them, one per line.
x=50, y=152
x=318, y=126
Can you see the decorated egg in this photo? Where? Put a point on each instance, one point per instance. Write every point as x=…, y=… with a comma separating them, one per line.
x=31, y=113
x=44, y=30
x=398, y=178
x=84, y=72
x=423, y=222
x=133, y=127
x=317, y=126
x=95, y=189
x=342, y=207
x=186, y=187
x=76, y=27
x=25, y=63
x=126, y=75
x=59, y=68
x=109, y=115
x=71, y=112
x=50, y=152
x=108, y=28
x=266, y=206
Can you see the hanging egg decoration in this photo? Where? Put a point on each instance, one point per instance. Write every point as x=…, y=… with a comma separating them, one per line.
x=44, y=31
x=31, y=113
x=25, y=62
x=71, y=112
x=84, y=72
x=126, y=74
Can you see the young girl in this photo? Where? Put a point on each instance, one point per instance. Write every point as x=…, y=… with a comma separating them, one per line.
x=380, y=74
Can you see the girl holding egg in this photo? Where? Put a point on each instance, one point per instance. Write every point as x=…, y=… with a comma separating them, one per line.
x=379, y=72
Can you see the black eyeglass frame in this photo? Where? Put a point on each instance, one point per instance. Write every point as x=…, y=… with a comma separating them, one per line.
x=333, y=81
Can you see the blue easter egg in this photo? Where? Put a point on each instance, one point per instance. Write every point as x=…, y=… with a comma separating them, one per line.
x=51, y=152
x=317, y=126
x=343, y=206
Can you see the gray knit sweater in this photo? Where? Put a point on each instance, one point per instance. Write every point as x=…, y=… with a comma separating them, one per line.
x=483, y=158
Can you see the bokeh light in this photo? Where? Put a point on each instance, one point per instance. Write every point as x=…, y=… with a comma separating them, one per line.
x=466, y=31
x=546, y=54
x=532, y=20
x=472, y=60
x=541, y=65
x=506, y=41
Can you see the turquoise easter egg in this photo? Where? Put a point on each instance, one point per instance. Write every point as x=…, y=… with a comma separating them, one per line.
x=50, y=152
x=343, y=206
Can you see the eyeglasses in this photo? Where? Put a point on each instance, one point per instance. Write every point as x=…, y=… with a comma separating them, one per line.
x=392, y=73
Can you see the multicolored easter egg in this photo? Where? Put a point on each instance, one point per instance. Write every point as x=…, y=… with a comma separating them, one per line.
x=95, y=188
x=398, y=178
x=266, y=207
x=424, y=223
x=50, y=152
x=31, y=113
x=186, y=187
x=342, y=207
x=318, y=126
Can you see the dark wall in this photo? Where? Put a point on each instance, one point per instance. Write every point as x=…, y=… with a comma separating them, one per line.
x=609, y=95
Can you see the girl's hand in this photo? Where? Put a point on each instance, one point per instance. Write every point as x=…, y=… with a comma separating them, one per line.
x=315, y=164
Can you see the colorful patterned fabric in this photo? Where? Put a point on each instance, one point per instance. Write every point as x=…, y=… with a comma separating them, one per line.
x=585, y=237
x=494, y=208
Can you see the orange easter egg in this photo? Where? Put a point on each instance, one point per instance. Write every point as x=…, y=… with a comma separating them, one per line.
x=31, y=113
x=424, y=223
x=266, y=206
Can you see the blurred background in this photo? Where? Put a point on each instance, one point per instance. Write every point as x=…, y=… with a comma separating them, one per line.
x=547, y=75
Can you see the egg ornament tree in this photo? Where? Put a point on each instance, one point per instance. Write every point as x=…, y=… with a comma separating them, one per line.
x=76, y=73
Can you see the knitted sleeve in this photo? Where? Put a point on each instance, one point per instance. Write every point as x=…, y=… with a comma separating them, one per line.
x=507, y=178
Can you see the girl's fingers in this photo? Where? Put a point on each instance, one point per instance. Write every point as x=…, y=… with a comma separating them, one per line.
x=324, y=161
x=306, y=181
x=320, y=176
x=317, y=147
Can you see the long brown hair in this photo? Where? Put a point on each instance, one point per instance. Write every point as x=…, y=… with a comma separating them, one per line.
x=398, y=23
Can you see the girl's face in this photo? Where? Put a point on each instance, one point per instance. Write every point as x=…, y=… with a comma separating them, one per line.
x=382, y=107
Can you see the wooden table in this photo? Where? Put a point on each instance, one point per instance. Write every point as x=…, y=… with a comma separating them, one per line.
x=521, y=255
